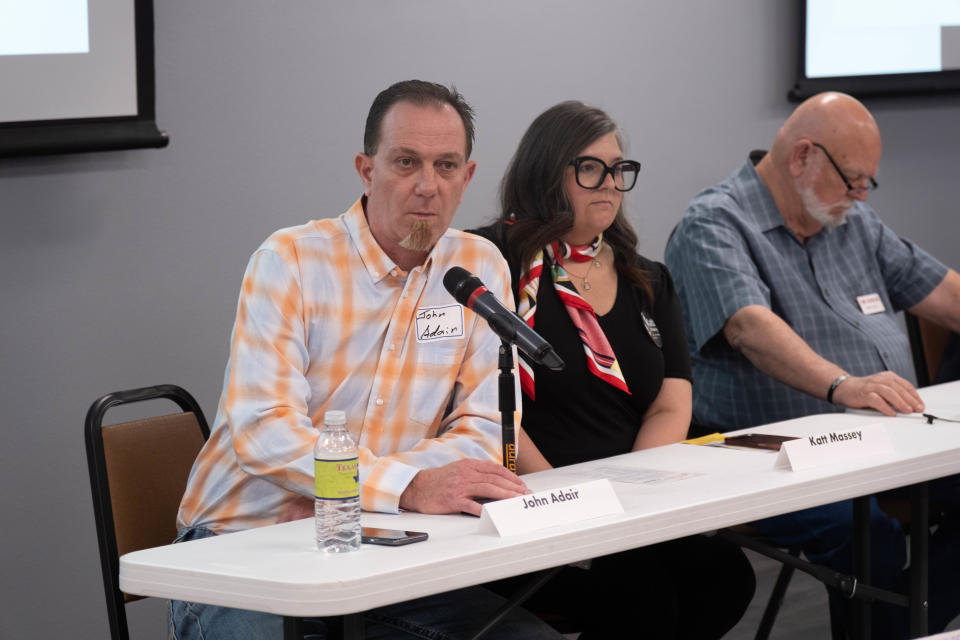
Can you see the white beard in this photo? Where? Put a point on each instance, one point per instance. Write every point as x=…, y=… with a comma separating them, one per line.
x=822, y=213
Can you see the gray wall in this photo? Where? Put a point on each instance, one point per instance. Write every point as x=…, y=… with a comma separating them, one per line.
x=122, y=269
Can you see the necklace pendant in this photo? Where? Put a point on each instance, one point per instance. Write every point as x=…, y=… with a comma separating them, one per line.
x=586, y=286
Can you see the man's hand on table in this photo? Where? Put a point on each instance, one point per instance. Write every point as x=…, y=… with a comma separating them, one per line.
x=886, y=392
x=453, y=487
x=447, y=489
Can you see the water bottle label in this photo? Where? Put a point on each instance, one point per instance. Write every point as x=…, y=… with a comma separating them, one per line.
x=336, y=479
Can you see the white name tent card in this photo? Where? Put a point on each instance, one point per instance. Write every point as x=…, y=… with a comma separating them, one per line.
x=550, y=507
x=830, y=447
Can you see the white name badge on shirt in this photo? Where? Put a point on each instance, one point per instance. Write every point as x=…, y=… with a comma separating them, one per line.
x=439, y=323
x=834, y=446
x=871, y=304
x=550, y=507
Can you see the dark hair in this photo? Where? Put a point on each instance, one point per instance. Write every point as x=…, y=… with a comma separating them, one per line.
x=532, y=199
x=419, y=93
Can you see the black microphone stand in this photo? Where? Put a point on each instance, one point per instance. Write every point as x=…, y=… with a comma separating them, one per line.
x=508, y=404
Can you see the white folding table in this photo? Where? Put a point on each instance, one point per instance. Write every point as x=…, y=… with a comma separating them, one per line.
x=278, y=569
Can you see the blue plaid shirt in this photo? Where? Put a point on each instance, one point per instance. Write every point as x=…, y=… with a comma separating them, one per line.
x=732, y=249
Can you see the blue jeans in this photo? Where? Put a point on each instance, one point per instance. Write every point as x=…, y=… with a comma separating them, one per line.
x=446, y=616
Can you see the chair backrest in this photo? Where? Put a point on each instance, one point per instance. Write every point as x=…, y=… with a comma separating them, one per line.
x=927, y=343
x=138, y=473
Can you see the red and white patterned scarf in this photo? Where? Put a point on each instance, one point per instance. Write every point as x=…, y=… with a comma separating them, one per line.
x=601, y=360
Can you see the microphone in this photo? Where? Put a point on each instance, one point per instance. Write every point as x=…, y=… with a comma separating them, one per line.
x=470, y=292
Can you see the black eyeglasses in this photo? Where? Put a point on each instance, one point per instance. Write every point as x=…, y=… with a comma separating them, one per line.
x=591, y=172
x=871, y=182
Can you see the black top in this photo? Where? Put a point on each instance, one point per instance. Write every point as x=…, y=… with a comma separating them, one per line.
x=577, y=416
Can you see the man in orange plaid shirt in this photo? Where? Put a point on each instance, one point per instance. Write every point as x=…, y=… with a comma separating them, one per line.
x=342, y=313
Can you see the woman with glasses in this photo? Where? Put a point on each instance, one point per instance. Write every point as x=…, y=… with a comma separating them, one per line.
x=614, y=318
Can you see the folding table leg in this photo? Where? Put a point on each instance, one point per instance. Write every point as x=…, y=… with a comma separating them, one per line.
x=536, y=581
x=354, y=627
x=861, y=565
x=919, y=559
x=776, y=600
x=292, y=628
x=349, y=627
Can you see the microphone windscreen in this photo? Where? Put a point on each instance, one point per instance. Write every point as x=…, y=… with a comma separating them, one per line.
x=460, y=283
x=454, y=277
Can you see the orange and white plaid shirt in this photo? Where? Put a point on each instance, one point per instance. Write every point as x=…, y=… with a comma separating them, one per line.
x=327, y=321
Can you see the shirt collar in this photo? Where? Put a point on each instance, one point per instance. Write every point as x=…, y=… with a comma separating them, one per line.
x=374, y=258
x=766, y=216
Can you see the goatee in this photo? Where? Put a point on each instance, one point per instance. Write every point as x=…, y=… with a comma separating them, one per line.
x=420, y=238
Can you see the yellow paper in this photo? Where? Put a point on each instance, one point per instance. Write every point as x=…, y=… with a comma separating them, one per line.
x=708, y=439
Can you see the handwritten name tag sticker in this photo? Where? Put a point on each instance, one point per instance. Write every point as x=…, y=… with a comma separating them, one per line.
x=871, y=304
x=439, y=323
x=829, y=447
x=543, y=509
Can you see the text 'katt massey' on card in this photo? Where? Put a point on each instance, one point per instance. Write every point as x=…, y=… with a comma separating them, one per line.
x=830, y=447
x=550, y=507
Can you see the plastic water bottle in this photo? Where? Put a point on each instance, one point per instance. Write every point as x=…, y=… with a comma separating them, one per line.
x=336, y=473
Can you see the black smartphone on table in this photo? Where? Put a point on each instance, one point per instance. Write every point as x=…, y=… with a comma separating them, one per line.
x=391, y=537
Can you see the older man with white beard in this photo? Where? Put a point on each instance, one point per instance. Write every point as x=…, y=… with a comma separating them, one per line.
x=790, y=284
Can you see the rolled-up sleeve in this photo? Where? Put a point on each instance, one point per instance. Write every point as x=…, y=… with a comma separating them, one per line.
x=909, y=272
x=711, y=265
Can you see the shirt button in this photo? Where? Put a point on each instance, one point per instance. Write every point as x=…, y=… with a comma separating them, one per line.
x=392, y=346
x=379, y=402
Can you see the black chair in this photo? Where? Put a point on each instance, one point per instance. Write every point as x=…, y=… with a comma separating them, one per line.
x=928, y=341
x=748, y=538
x=138, y=473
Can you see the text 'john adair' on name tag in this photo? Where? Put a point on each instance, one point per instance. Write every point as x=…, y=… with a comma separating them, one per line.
x=439, y=323
x=550, y=507
x=834, y=446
